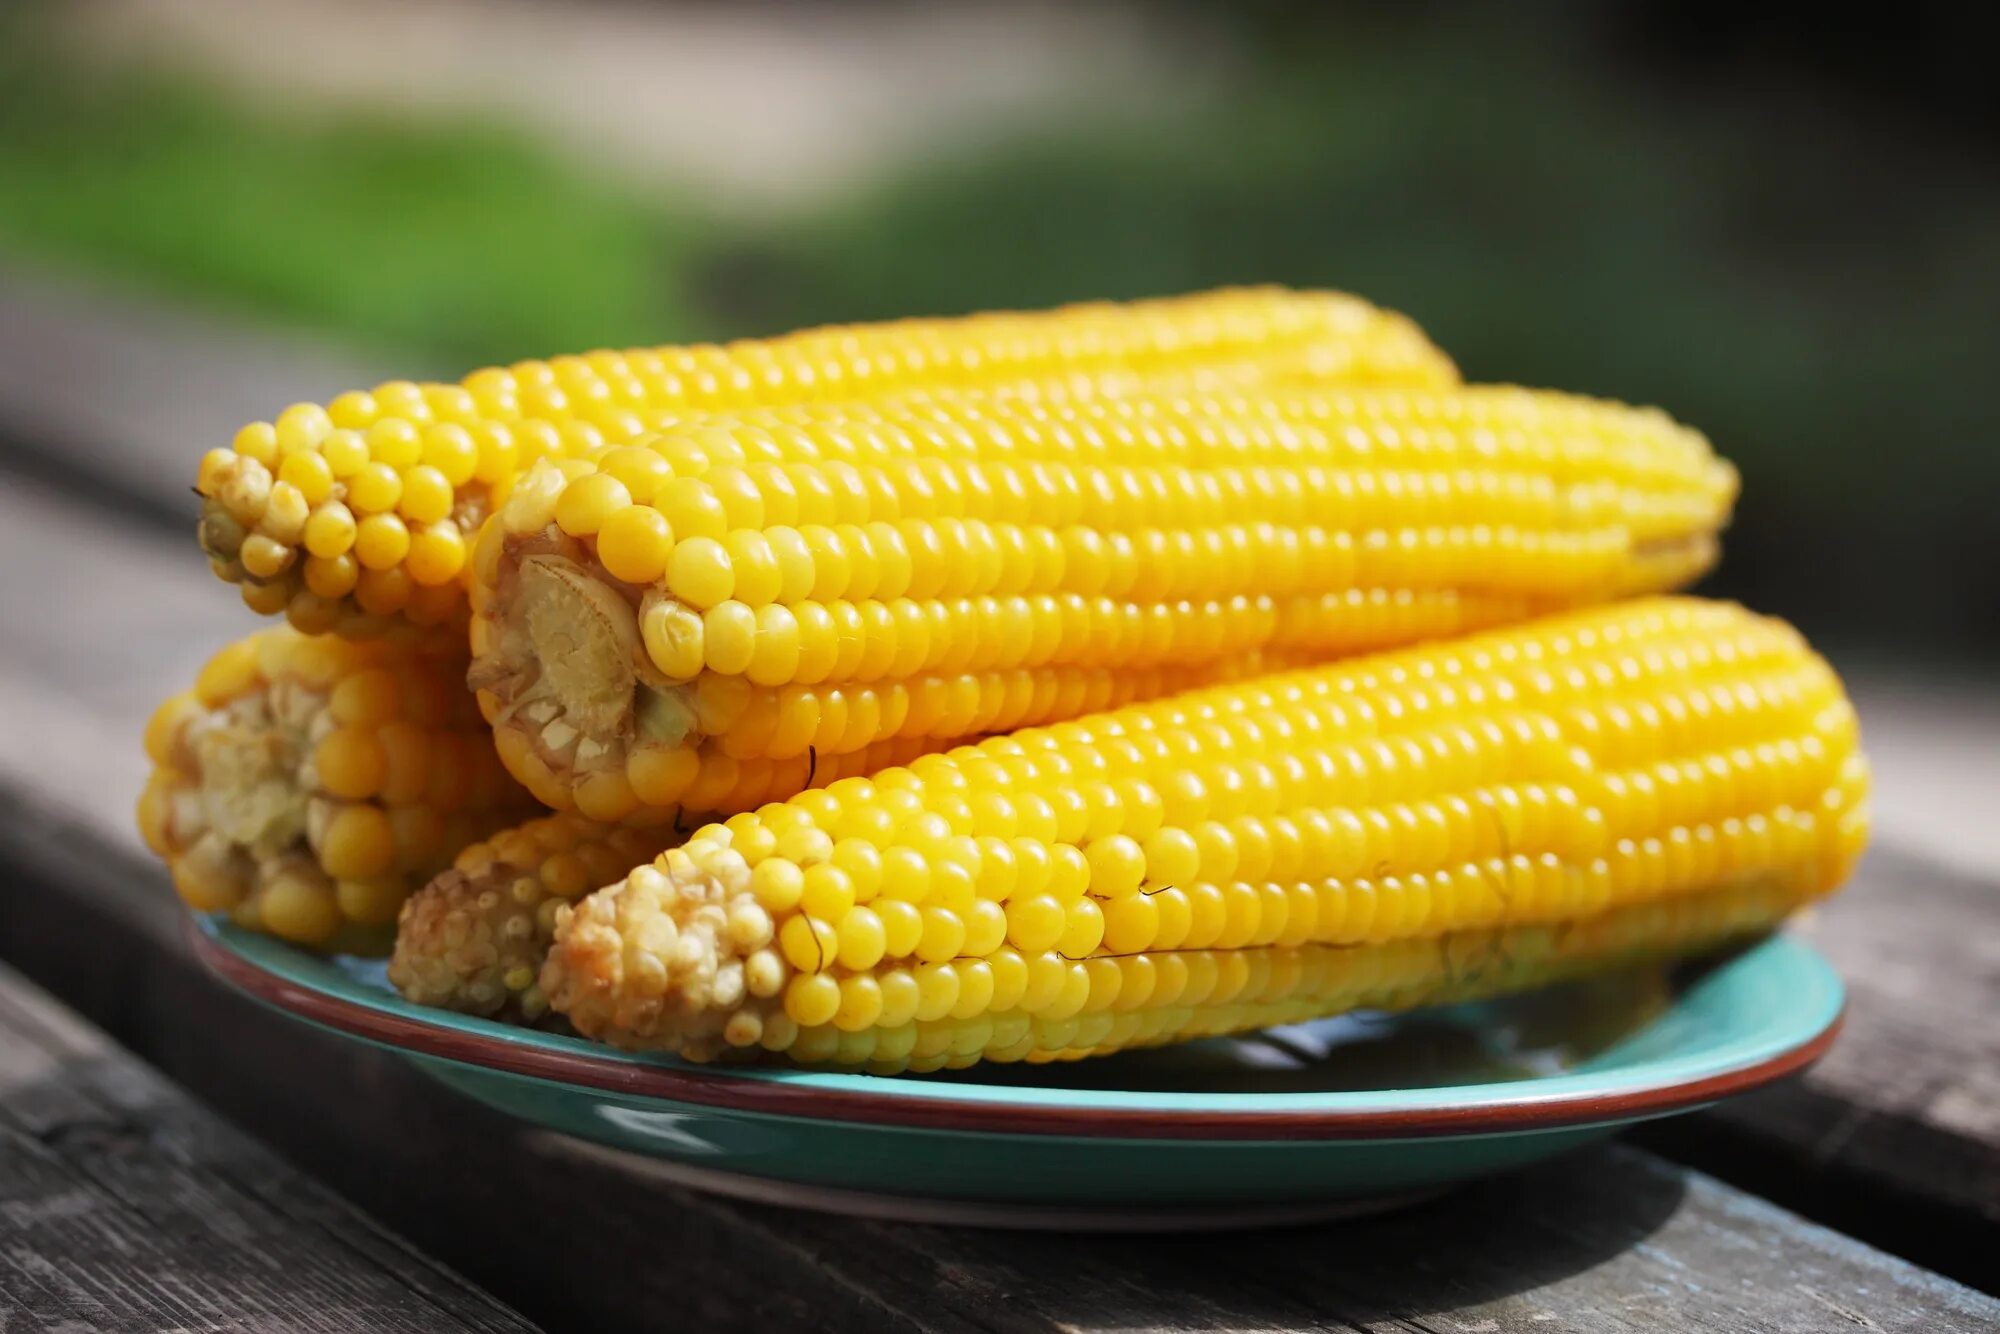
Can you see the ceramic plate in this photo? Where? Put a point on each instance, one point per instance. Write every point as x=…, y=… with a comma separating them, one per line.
x=1310, y=1121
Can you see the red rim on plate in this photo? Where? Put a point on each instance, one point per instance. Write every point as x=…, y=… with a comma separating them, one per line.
x=720, y=1088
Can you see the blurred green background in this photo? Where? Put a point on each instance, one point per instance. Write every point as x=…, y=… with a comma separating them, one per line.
x=1788, y=242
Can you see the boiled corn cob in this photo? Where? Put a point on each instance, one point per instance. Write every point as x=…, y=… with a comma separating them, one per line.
x=307, y=785
x=357, y=515
x=674, y=622
x=1454, y=820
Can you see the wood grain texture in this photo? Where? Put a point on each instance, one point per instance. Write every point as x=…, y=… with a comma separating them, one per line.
x=1895, y=1135
x=125, y=1206
x=1610, y=1240
x=1920, y=949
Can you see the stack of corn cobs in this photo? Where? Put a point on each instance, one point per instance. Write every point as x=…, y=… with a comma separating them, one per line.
x=1018, y=687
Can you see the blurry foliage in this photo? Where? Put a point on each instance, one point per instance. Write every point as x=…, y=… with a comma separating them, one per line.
x=1818, y=295
x=1813, y=288
x=461, y=242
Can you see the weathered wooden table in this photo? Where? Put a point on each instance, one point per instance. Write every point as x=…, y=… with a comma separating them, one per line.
x=1864, y=1195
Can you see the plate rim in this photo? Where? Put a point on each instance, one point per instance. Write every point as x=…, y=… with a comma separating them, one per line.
x=1577, y=1098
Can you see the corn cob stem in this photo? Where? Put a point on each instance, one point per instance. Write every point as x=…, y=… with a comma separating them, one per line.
x=652, y=623
x=1455, y=820
x=306, y=786
x=357, y=516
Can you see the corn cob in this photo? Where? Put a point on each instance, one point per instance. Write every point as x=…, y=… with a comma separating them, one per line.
x=666, y=624
x=356, y=516
x=1436, y=823
x=307, y=785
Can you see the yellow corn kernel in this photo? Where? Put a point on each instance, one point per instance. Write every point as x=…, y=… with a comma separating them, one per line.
x=346, y=453
x=310, y=473
x=451, y=451
x=351, y=763
x=395, y=442
x=381, y=542
x=589, y=501
x=699, y=572
x=436, y=554
x=427, y=495
x=331, y=530
x=310, y=613
x=300, y=905
x=634, y=543
x=371, y=902
x=285, y=514
x=375, y=488
x=264, y=557
x=300, y=427
x=257, y=442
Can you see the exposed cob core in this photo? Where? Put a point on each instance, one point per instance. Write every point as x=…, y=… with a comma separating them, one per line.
x=474, y=938
x=357, y=516
x=1459, y=819
x=668, y=623
x=307, y=785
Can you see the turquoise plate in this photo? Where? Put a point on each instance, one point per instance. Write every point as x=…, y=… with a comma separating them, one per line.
x=1312, y=1121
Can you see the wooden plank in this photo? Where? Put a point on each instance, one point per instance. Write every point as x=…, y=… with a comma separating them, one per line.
x=1610, y=1239
x=1607, y=1240
x=125, y=1206
x=1933, y=739
x=1895, y=1135
x=106, y=616
x=122, y=393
